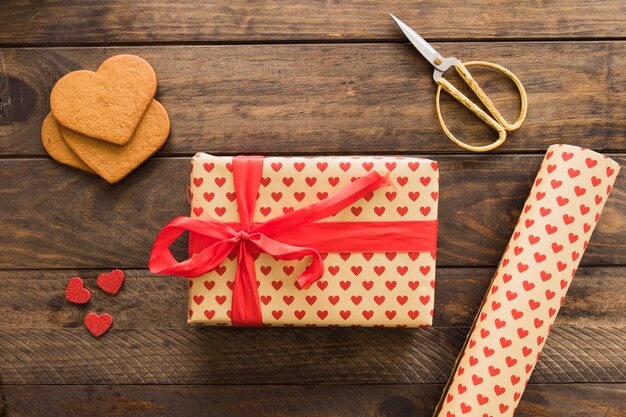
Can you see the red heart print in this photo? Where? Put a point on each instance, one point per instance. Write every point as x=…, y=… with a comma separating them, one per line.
x=390, y=314
x=561, y=201
x=98, y=324
x=368, y=314
x=322, y=314
x=573, y=173
x=332, y=181
x=609, y=171
x=551, y=229
x=595, y=181
x=111, y=282
x=556, y=184
x=505, y=343
x=209, y=314
x=75, y=292
x=299, y=166
x=413, y=314
x=481, y=399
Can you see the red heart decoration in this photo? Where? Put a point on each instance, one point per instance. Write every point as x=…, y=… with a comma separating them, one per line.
x=75, y=292
x=98, y=324
x=111, y=282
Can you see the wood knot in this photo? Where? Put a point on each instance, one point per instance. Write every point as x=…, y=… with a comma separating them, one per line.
x=397, y=406
x=17, y=100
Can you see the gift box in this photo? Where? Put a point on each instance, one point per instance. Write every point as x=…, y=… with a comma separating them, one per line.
x=315, y=241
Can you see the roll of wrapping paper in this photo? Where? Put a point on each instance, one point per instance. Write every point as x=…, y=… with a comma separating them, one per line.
x=530, y=283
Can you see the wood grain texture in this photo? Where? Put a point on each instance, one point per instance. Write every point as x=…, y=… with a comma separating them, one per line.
x=49, y=21
x=36, y=299
x=56, y=217
x=357, y=99
x=581, y=400
x=208, y=355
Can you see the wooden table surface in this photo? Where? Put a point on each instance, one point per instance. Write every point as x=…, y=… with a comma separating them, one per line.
x=285, y=77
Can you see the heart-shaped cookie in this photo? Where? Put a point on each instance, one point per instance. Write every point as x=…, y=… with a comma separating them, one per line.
x=111, y=282
x=113, y=162
x=75, y=292
x=107, y=104
x=57, y=148
x=98, y=324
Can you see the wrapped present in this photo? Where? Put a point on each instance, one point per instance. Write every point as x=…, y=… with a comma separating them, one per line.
x=327, y=241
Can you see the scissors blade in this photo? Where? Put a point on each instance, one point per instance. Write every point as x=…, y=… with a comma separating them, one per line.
x=422, y=46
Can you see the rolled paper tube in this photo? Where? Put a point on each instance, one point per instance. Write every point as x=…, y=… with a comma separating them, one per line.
x=530, y=283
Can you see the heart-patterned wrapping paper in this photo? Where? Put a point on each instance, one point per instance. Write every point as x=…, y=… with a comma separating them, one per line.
x=530, y=283
x=363, y=289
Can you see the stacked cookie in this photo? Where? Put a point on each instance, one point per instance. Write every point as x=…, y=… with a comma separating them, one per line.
x=106, y=122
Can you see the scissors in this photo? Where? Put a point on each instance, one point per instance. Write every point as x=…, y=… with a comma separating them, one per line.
x=441, y=64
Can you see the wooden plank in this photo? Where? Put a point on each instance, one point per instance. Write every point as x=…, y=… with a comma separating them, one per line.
x=209, y=355
x=539, y=400
x=358, y=99
x=54, y=217
x=36, y=299
x=116, y=21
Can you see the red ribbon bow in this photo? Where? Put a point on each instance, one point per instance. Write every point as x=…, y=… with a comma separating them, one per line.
x=212, y=240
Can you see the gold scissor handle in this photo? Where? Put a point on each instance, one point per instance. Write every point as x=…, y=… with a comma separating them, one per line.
x=499, y=124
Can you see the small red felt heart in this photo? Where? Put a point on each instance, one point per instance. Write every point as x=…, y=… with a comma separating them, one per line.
x=75, y=292
x=98, y=324
x=111, y=282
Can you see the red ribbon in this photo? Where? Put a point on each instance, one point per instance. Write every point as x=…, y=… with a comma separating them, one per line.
x=293, y=235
